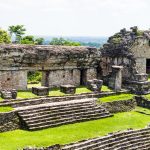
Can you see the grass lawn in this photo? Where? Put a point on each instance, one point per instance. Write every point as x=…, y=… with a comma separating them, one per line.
x=5, y=109
x=1, y=99
x=105, y=89
x=73, y=132
x=26, y=94
x=147, y=96
x=33, y=85
x=116, y=97
x=56, y=91
x=143, y=110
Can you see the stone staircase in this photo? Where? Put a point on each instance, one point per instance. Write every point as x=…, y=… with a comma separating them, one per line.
x=59, y=113
x=128, y=140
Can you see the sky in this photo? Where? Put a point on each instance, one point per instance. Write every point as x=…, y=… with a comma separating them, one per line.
x=75, y=17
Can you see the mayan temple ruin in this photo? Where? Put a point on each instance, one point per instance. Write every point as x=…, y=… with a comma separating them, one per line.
x=89, y=98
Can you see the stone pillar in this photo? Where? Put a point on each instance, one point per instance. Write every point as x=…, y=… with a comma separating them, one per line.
x=91, y=74
x=15, y=79
x=115, y=81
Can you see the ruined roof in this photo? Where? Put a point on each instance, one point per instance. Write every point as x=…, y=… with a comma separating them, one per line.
x=52, y=49
x=47, y=56
x=121, y=42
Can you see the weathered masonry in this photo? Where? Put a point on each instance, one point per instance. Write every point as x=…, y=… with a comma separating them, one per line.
x=59, y=65
x=130, y=49
x=76, y=65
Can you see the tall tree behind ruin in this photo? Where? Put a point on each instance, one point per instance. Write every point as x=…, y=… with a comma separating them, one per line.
x=18, y=31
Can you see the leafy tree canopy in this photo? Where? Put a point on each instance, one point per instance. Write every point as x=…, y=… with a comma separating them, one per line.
x=62, y=41
x=18, y=31
x=31, y=40
x=4, y=37
x=39, y=41
x=28, y=40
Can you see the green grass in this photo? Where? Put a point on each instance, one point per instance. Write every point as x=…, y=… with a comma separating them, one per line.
x=116, y=97
x=147, y=96
x=73, y=132
x=26, y=94
x=1, y=99
x=56, y=92
x=105, y=89
x=33, y=85
x=82, y=89
x=143, y=110
x=5, y=109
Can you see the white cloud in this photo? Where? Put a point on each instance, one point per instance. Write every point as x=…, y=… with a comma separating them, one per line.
x=75, y=17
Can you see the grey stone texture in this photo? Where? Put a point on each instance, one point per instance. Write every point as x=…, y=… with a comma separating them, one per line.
x=94, y=85
x=40, y=91
x=59, y=64
x=9, y=121
x=68, y=89
x=140, y=85
x=115, y=81
x=120, y=106
x=142, y=101
x=9, y=94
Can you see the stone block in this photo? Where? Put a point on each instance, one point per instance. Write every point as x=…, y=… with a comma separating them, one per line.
x=9, y=94
x=141, y=77
x=94, y=85
x=68, y=89
x=40, y=91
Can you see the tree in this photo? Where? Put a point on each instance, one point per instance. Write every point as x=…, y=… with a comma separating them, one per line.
x=27, y=40
x=4, y=37
x=18, y=31
x=62, y=41
x=39, y=41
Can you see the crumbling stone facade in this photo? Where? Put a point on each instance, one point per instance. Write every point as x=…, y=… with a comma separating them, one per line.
x=76, y=64
x=59, y=64
x=129, y=49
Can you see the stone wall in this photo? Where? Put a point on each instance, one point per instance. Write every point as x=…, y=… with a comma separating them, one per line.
x=9, y=121
x=15, y=79
x=142, y=101
x=120, y=106
x=61, y=77
x=59, y=64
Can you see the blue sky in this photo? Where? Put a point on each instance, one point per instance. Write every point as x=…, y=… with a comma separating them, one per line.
x=75, y=17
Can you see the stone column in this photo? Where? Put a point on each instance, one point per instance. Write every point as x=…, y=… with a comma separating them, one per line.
x=115, y=81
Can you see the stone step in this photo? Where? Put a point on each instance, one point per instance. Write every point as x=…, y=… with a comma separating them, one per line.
x=55, y=104
x=38, y=109
x=68, y=122
x=48, y=110
x=58, y=113
x=67, y=118
x=53, y=117
x=109, y=145
x=105, y=140
x=127, y=144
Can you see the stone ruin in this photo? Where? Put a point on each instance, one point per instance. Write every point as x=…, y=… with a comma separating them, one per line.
x=40, y=91
x=121, y=61
x=75, y=65
x=94, y=85
x=9, y=94
x=130, y=139
x=68, y=89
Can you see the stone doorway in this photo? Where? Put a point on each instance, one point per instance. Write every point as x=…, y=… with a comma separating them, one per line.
x=34, y=79
x=148, y=66
x=83, y=77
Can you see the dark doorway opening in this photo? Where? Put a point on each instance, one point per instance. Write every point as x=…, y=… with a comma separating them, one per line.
x=148, y=66
x=83, y=77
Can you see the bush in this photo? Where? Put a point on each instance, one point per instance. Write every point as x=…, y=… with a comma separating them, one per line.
x=34, y=76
